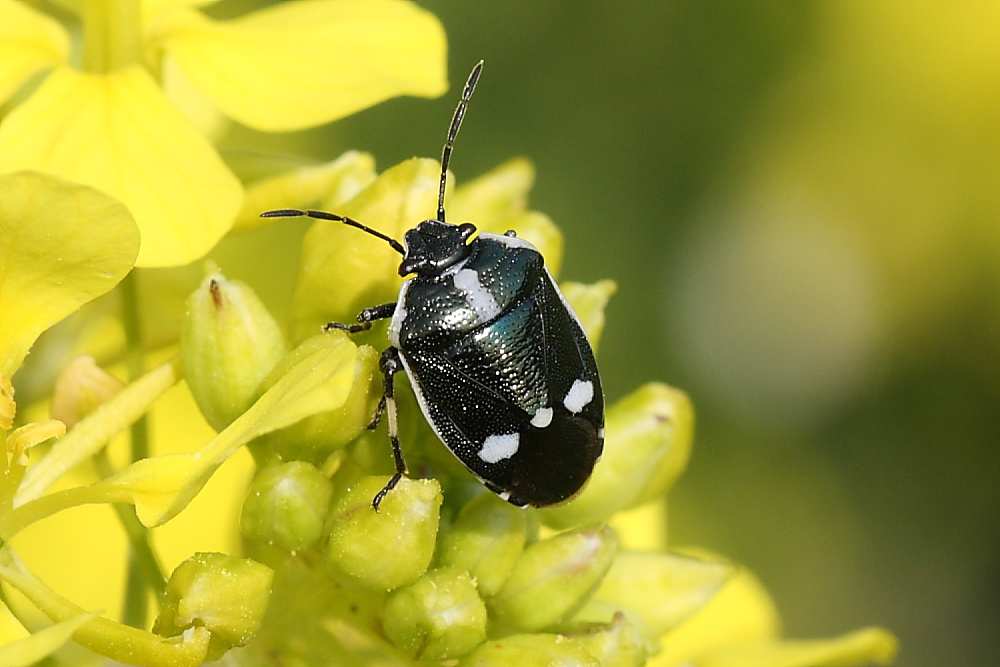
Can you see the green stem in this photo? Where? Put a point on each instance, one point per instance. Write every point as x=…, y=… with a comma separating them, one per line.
x=141, y=557
x=134, y=359
x=143, y=560
x=102, y=635
x=112, y=35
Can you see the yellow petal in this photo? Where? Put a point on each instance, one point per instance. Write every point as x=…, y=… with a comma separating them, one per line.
x=39, y=645
x=301, y=64
x=11, y=629
x=197, y=108
x=334, y=182
x=497, y=201
x=344, y=270
x=859, y=648
x=117, y=133
x=29, y=42
x=63, y=245
x=495, y=197
x=741, y=612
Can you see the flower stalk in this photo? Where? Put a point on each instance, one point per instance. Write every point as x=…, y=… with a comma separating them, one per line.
x=112, y=35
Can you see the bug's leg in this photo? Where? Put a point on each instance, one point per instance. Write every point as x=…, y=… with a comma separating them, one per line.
x=390, y=365
x=366, y=317
x=373, y=424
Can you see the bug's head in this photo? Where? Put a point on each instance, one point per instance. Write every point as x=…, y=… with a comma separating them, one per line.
x=433, y=246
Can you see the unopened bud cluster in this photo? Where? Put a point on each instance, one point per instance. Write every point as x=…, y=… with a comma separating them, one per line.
x=444, y=570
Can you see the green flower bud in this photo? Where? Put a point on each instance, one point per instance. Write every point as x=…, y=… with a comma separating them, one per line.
x=553, y=577
x=661, y=590
x=588, y=302
x=82, y=388
x=647, y=446
x=225, y=594
x=389, y=548
x=440, y=616
x=616, y=644
x=538, y=650
x=537, y=229
x=314, y=438
x=229, y=343
x=286, y=506
x=494, y=197
x=485, y=539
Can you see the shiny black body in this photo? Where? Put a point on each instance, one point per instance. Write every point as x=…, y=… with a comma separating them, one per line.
x=488, y=342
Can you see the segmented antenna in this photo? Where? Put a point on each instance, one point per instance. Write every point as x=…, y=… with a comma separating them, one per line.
x=323, y=215
x=456, y=122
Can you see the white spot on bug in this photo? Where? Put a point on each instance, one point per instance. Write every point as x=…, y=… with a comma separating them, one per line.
x=579, y=395
x=542, y=418
x=479, y=298
x=499, y=447
x=504, y=496
x=600, y=433
x=398, y=316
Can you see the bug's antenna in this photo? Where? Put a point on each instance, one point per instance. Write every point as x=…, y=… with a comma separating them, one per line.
x=456, y=122
x=323, y=215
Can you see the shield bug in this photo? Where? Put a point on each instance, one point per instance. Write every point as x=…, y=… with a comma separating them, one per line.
x=497, y=359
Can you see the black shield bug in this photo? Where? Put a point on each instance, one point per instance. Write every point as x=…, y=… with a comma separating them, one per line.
x=497, y=358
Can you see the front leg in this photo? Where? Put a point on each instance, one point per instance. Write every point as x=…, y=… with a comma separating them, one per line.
x=365, y=317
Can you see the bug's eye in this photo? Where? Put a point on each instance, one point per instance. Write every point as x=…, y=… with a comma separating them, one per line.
x=466, y=229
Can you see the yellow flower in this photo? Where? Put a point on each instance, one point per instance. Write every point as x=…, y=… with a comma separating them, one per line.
x=739, y=627
x=63, y=245
x=445, y=570
x=106, y=120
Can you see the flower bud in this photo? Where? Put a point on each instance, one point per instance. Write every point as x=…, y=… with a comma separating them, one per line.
x=440, y=616
x=225, y=594
x=616, y=644
x=316, y=437
x=363, y=268
x=553, y=577
x=82, y=388
x=647, y=447
x=286, y=506
x=536, y=650
x=494, y=197
x=588, y=302
x=485, y=539
x=389, y=548
x=229, y=343
x=661, y=590
x=334, y=183
x=538, y=229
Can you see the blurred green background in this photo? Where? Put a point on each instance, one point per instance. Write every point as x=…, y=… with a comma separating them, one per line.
x=801, y=204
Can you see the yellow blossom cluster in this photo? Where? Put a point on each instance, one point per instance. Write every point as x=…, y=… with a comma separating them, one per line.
x=106, y=165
